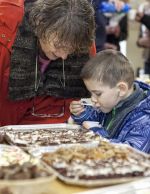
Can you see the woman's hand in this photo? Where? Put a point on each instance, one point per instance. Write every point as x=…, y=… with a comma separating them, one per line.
x=76, y=107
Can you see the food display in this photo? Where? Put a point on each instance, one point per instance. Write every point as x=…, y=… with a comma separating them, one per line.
x=16, y=164
x=46, y=137
x=100, y=165
x=76, y=156
x=21, y=173
x=11, y=155
x=2, y=137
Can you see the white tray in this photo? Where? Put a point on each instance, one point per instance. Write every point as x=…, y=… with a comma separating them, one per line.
x=106, y=181
x=12, y=139
x=14, y=155
x=40, y=126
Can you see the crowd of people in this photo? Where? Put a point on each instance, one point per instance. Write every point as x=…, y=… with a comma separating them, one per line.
x=47, y=46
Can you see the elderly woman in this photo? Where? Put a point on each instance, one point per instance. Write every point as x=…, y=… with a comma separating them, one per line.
x=43, y=45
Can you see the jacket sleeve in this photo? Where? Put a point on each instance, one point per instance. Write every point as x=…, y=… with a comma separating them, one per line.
x=11, y=13
x=100, y=131
x=137, y=135
x=146, y=21
x=90, y=114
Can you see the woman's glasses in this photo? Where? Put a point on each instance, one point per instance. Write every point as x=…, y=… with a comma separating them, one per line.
x=53, y=115
x=36, y=86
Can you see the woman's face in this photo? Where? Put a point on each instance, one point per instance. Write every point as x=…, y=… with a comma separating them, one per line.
x=52, y=52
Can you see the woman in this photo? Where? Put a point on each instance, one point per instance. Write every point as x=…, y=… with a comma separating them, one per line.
x=43, y=45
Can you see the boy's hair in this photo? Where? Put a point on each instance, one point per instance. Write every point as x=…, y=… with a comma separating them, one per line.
x=109, y=67
x=72, y=21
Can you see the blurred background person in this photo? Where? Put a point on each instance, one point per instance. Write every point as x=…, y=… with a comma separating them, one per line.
x=101, y=21
x=143, y=16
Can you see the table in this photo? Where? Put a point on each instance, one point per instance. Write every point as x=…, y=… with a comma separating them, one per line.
x=141, y=186
x=58, y=187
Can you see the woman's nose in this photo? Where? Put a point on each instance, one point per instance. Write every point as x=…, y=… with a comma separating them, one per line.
x=64, y=56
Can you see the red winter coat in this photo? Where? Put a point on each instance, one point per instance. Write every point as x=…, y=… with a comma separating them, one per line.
x=19, y=112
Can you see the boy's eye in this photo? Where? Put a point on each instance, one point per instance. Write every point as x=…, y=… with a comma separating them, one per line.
x=98, y=94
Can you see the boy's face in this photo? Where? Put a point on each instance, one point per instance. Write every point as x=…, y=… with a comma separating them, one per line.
x=102, y=96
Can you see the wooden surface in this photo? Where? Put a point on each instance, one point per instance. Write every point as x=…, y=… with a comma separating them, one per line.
x=57, y=187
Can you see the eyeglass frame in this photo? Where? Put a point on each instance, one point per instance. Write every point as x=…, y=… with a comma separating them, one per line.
x=36, y=86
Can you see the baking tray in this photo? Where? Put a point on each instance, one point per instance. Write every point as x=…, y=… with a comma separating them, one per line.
x=96, y=183
x=107, y=180
x=40, y=126
x=11, y=155
x=35, y=139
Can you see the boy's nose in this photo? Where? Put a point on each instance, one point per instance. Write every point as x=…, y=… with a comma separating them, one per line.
x=93, y=99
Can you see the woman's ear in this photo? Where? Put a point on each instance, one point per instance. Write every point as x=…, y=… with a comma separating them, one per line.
x=122, y=89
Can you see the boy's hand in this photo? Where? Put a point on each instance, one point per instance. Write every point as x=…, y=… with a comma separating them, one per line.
x=90, y=124
x=76, y=107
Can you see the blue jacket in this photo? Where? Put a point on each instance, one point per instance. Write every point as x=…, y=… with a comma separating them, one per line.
x=134, y=129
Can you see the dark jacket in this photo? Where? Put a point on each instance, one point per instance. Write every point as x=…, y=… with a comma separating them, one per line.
x=146, y=21
x=100, y=26
x=23, y=69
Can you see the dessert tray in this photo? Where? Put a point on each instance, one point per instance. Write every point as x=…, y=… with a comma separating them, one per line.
x=21, y=173
x=46, y=135
x=104, y=164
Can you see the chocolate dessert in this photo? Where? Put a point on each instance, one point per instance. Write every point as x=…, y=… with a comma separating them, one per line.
x=24, y=171
x=105, y=161
x=45, y=137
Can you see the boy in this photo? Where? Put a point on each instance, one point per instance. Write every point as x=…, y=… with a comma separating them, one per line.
x=120, y=105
